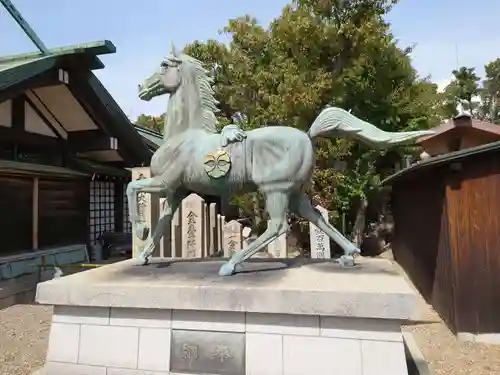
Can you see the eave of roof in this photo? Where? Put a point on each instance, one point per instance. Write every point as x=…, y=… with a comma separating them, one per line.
x=15, y=69
x=91, y=166
x=102, y=47
x=463, y=121
x=31, y=169
x=123, y=127
x=436, y=161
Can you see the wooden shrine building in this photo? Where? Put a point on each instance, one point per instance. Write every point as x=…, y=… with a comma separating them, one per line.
x=447, y=236
x=459, y=133
x=65, y=145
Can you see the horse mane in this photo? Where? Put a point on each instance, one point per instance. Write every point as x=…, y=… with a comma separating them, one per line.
x=208, y=103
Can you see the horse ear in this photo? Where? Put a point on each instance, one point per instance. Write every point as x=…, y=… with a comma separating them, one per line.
x=174, y=50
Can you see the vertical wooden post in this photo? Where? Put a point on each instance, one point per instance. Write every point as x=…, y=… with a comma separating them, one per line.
x=35, y=213
x=118, y=199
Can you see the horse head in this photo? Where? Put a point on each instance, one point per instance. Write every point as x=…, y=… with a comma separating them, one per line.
x=194, y=105
x=166, y=79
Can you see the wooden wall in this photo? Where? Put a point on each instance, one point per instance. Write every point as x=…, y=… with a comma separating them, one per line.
x=16, y=219
x=63, y=212
x=473, y=196
x=417, y=207
x=447, y=238
x=38, y=212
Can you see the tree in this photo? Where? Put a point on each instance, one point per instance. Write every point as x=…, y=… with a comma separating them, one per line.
x=463, y=87
x=154, y=123
x=490, y=93
x=319, y=53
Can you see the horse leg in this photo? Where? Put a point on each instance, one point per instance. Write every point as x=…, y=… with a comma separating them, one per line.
x=170, y=205
x=276, y=207
x=303, y=206
x=147, y=185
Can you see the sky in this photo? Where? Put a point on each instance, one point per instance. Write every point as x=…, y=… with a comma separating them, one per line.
x=447, y=34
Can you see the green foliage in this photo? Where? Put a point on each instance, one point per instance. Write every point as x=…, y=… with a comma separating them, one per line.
x=156, y=123
x=481, y=97
x=490, y=93
x=464, y=86
x=151, y=122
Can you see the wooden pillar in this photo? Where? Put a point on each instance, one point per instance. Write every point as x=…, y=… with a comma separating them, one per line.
x=18, y=122
x=35, y=213
x=118, y=185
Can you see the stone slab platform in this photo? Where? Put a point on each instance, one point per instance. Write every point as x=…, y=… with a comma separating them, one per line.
x=277, y=317
x=372, y=289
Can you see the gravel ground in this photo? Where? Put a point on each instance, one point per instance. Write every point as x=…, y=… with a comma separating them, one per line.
x=24, y=334
x=443, y=352
x=448, y=356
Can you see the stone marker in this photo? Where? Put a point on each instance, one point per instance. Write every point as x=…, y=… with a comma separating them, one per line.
x=213, y=235
x=278, y=248
x=320, y=243
x=221, y=222
x=166, y=241
x=246, y=232
x=218, y=243
x=148, y=211
x=193, y=227
x=206, y=229
x=176, y=228
x=233, y=239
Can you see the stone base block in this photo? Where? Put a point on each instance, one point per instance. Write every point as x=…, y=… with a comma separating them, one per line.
x=233, y=327
x=483, y=338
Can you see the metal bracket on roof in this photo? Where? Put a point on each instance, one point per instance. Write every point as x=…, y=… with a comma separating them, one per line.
x=7, y=4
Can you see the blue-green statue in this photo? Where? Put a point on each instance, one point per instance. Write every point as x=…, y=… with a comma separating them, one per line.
x=277, y=160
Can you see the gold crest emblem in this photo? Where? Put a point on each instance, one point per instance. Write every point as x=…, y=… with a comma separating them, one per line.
x=217, y=164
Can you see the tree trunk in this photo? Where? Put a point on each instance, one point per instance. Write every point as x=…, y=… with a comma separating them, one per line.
x=359, y=225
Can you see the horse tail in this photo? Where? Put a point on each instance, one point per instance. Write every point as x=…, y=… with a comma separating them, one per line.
x=339, y=123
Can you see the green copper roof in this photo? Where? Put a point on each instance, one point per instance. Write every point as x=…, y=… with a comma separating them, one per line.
x=153, y=139
x=93, y=48
x=18, y=68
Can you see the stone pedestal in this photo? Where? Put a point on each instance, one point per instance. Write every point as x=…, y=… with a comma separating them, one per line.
x=181, y=318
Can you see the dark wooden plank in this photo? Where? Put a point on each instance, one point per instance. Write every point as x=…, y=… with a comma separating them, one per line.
x=89, y=140
x=119, y=204
x=63, y=212
x=451, y=285
x=7, y=135
x=489, y=321
x=417, y=207
x=18, y=114
x=478, y=280
x=443, y=288
x=16, y=223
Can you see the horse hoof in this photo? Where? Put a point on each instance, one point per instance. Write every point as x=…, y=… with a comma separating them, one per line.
x=352, y=250
x=142, y=261
x=347, y=261
x=141, y=231
x=227, y=269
